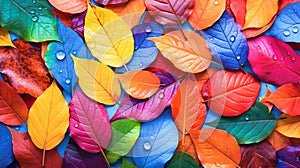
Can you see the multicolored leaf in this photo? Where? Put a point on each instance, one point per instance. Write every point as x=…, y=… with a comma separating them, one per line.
x=189, y=55
x=5, y=38
x=68, y=6
x=116, y=45
x=225, y=89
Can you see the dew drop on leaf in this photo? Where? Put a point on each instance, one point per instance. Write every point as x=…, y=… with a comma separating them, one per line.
x=238, y=57
x=247, y=117
x=216, y=2
x=141, y=64
x=293, y=58
x=40, y=8
x=17, y=128
x=92, y=45
x=61, y=71
x=148, y=29
x=147, y=145
x=161, y=95
x=286, y=33
x=218, y=164
x=275, y=57
x=74, y=52
x=34, y=1
x=32, y=11
x=68, y=81
x=281, y=58
x=152, y=137
x=35, y=18
x=295, y=29
x=232, y=38
x=297, y=159
x=76, y=125
x=279, y=160
x=60, y=55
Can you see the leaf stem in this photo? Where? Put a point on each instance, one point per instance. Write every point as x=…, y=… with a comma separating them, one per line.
x=104, y=156
x=44, y=156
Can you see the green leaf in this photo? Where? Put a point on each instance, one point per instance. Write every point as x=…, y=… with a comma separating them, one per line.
x=30, y=19
x=124, y=135
x=251, y=127
x=126, y=164
x=181, y=159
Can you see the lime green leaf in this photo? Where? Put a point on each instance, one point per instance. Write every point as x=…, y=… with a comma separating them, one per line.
x=30, y=19
x=126, y=164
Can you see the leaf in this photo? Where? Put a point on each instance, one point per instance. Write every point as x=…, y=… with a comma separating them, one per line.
x=258, y=155
x=76, y=157
x=188, y=109
x=189, y=55
x=226, y=42
x=130, y=11
x=145, y=51
x=5, y=38
x=286, y=25
x=97, y=81
x=78, y=23
x=13, y=109
x=274, y=61
x=213, y=152
x=28, y=155
x=225, y=89
x=186, y=145
x=289, y=126
x=283, y=3
x=124, y=135
x=253, y=126
x=181, y=159
x=286, y=98
x=89, y=124
x=6, y=153
x=170, y=12
x=260, y=12
x=107, y=2
x=74, y=6
x=149, y=109
x=116, y=45
x=157, y=142
x=58, y=60
x=139, y=84
x=126, y=164
x=278, y=140
x=238, y=9
x=65, y=18
x=31, y=26
x=206, y=13
x=253, y=32
x=25, y=68
x=288, y=156
x=48, y=119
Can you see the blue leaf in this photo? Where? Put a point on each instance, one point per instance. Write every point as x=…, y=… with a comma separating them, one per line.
x=226, y=42
x=145, y=51
x=288, y=157
x=62, y=146
x=287, y=24
x=1, y=78
x=157, y=142
x=6, y=152
x=58, y=59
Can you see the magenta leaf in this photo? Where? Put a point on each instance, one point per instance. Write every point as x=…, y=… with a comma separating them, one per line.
x=108, y=2
x=89, y=123
x=274, y=61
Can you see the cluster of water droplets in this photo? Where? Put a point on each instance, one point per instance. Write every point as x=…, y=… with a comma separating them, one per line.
x=60, y=56
x=287, y=32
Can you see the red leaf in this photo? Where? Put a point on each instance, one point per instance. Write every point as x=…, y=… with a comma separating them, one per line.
x=231, y=93
x=13, y=109
x=274, y=61
x=30, y=156
x=65, y=18
x=25, y=68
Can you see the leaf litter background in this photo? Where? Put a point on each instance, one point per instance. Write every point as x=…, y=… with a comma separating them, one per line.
x=134, y=83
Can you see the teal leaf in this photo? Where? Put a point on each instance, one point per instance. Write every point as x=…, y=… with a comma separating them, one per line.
x=181, y=159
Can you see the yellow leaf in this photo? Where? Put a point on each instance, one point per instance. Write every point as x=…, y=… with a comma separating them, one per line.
x=191, y=55
x=260, y=12
x=108, y=37
x=97, y=81
x=5, y=38
x=48, y=118
x=289, y=126
x=131, y=11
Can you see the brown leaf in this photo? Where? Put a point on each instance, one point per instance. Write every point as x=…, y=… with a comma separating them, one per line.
x=25, y=68
x=278, y=140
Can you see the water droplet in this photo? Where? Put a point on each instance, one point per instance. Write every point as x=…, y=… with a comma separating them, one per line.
x=96, y=105
x=293, y=58
x=141, y=64
x=152, y=137
x=288, y=53
x=247, y=117
x=17, y=128
x=76, y=125
x=295, y=29
x=238, y=57
x=205, y=95
x=40, y=8
x=37, y=13
x=286, y=33
x=216, y=2
x=74, y=53
x=33, y=1
x=218, y=164
x=61, y=71
x=232, y=38
x=211, y=39
x=136, y=47
x=147, y=145
x=92, y=45
x=275, y=57
x=35, y=18
x=281, y=58
x=258, y=47
x=68, y=81
x=41, y=14
x=279, y=160
x=297, y=159
x=60, y=55
x=161, y=95
x=32, y=11
x=148, y=29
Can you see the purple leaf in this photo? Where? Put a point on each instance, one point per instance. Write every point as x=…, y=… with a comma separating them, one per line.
x=76, y=157
x=107, y=2
x=78, y=23
x=89, y=123
x=288, y=156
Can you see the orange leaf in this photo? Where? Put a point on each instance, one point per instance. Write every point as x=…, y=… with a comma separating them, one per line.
x=25, y=68
x=289, y=126
x=253, y=32
x=286, y=98
x=216, y=148
x=29, y=156
x=204, y=76
x=206, y=13
x=139, y=84
x=130, y=11
x=13, y=109
x=278, y=140
x=188, y=109
x=260, y=12
x=70, y=6
x=269, y=105
x=186, y=145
